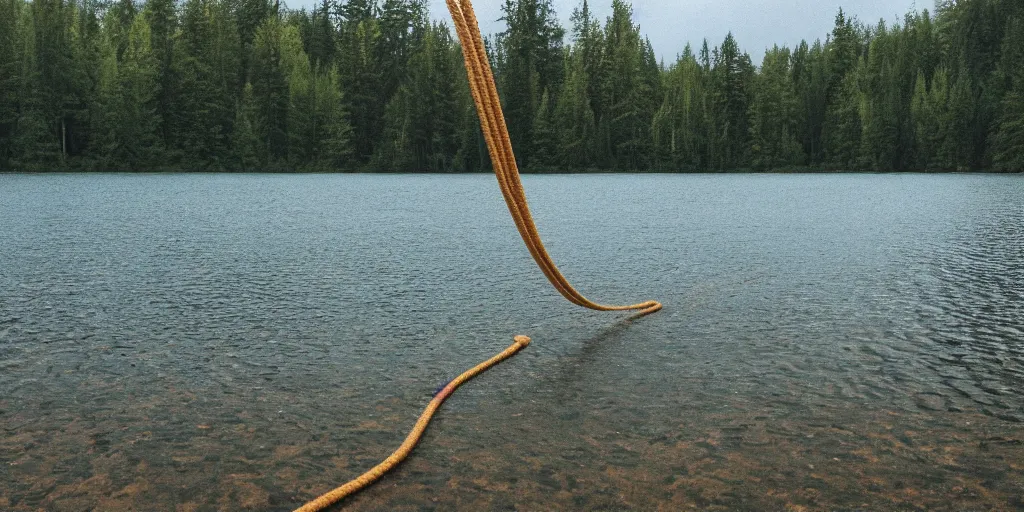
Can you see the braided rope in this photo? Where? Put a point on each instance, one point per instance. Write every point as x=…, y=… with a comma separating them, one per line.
x=499, y=146
x=414, y=436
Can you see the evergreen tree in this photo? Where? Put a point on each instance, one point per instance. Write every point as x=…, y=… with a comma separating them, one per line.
x=530, y=63
x=245, y=143
x=773, y=115
x=810, y=76
x=10, y=75
x=960, y=147
x=322, y=47
x=49, y=86
x=421, y=118
x=1008, y=133
x=205, y=67
x=118, y=23
x=127, y=135
x=843, y=51
x=730, y=78
x=841, y=132
x=271, y=94
x=573, y=119
x=362, y=82
x=881, y=109
x=930, y=117
x=163, y=22
x=1008, y=141
x=542, y=158
x=624, y=131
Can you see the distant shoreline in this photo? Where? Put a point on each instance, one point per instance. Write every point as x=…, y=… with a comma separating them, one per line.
x=530, y=173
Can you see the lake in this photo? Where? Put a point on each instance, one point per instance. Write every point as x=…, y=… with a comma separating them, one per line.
x=230, y=342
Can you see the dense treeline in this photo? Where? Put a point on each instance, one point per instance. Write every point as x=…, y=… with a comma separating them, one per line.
x=374, y=85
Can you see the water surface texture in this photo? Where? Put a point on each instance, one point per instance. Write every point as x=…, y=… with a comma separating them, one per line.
x=245, y=342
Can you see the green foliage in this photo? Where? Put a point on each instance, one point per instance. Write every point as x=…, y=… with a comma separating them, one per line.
x=163, y=24
x=205, y=68
x=843, y=127
x=373, y=85
x=271, y=93
x=10, y=75
x=127, y=130
x=542, y=158
x=529, y=63
x=773, y=115
x=1008, y=133
x=245, y=143
x=629, y=83
x=930, y=110
x=730, y=80
x=572, y=121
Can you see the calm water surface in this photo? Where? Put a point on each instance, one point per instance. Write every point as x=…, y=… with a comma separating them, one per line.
x=223, y=342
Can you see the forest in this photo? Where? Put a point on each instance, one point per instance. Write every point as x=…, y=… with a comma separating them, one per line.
x=376, y=86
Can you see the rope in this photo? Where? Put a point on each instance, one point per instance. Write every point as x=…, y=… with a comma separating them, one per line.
x=499, y=146
x=414, y=437
x=492, y=122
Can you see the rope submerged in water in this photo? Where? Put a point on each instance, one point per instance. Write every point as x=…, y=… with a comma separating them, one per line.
x=492, y=121
x=414, y=436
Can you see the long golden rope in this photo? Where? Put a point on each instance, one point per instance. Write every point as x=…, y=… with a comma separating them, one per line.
x=417, y=431
x=492, y=121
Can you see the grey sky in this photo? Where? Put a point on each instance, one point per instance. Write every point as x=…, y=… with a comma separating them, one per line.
x=756, y=24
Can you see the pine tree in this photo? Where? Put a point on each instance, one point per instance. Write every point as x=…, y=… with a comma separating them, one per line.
x=127, y=135
x=542, y=158
x=573, y=119
x=333, y=150
x=271, y=94
x=588, y=41
x=624, y=131
x=322, y=45
x=730, y=78
x=680, y=125
x=843, y=51
x=1007, y=138
x=163, y=23
x=444, y=92
x=49, y=85
x=773, y=115
x=929, y=111
x=841, y=132
x=118, y=23
x=362, y=83
x=354, y=12
x=881, y=109
x=245, y=143
x=205, y=66
x=530, y=62
x=301, y=126
x=395, y=152
x=317, y=129
x=10, y=75
x=1008, y=142
x=959, y=147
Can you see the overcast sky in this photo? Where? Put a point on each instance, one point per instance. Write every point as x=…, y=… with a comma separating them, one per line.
x=756, y=24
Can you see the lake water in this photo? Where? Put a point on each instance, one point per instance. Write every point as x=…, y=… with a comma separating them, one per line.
x=233, y=342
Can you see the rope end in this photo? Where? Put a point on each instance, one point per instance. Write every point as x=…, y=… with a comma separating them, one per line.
x=523, y=341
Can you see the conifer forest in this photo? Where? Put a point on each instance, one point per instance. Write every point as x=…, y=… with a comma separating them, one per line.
x=377, y=86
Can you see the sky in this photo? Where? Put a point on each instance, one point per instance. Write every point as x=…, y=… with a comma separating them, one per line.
x=756, y=24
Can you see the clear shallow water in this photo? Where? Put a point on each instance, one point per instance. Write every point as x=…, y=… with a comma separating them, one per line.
x=222, y=342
